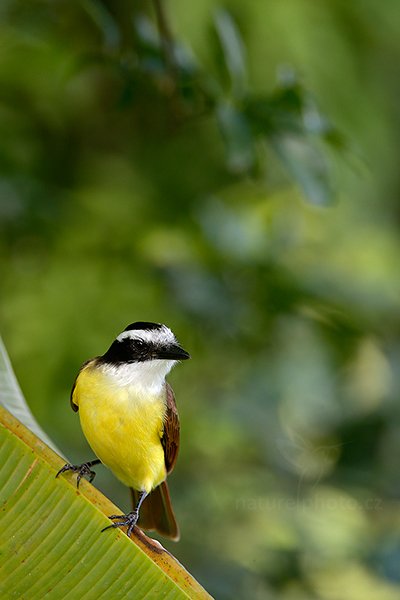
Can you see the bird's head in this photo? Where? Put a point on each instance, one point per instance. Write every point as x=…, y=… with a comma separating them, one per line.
x=144, y=352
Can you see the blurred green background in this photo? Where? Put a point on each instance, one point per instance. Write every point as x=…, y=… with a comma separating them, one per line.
x=230, y=170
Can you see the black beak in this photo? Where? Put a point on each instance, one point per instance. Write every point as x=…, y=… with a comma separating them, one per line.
x=172, y=353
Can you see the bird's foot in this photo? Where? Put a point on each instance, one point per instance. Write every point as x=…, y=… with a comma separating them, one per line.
x=128, y=520
x=83, y=470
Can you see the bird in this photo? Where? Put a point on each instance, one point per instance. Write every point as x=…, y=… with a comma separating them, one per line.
x=129, y=417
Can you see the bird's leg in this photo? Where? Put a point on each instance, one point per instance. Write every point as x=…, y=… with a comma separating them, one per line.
x=83, y=470
x=130, y=519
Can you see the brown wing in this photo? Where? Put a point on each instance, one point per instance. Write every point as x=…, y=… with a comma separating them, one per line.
x=170, y=437
x=74, y=406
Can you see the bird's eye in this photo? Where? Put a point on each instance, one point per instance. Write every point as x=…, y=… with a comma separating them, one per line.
x=139, y=343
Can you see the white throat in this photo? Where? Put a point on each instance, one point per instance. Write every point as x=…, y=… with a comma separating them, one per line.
x=147, y=377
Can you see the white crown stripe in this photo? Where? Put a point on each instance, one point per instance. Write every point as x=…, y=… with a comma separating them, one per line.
x=157, y=336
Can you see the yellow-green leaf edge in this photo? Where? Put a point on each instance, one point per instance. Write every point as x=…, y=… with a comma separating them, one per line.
x=51, y=545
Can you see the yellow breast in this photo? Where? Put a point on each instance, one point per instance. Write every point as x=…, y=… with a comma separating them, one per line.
x=123, y=424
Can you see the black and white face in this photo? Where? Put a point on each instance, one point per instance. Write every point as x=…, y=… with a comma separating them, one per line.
x=142, y=342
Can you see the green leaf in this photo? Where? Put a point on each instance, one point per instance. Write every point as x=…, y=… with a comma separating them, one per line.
x=12, y=399
x=233, y=49
x=51, y=545
x=307, y=166
x=290, y=122
x=237, y=137
x=104, y=21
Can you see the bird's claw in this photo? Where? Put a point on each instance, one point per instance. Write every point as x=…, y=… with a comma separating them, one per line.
x=128, y=520
x=83, y=470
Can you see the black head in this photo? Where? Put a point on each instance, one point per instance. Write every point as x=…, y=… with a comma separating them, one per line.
x=143, y=341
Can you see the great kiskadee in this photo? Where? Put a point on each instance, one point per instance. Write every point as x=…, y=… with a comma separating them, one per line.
x=129, y=417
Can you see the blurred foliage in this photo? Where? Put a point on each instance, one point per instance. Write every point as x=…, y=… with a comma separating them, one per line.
x=154, y=167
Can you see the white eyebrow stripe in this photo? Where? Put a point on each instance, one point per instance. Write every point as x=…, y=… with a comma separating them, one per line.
x=158, y=336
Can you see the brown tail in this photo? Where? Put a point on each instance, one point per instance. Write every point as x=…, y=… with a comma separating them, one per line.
x=156, y=512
